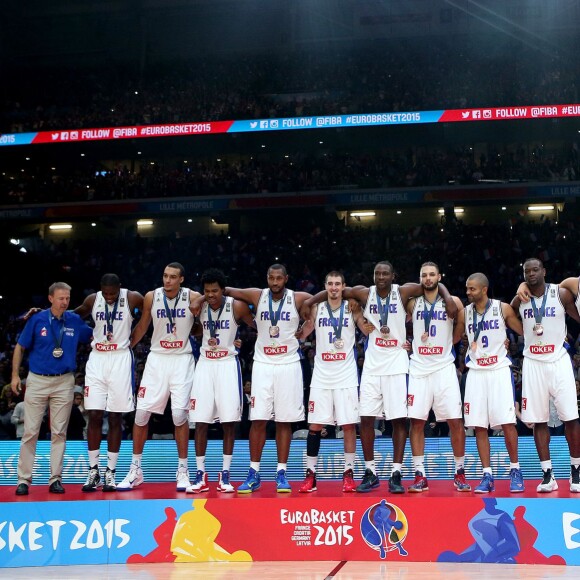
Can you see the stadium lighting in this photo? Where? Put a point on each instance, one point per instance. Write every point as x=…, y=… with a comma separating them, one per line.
x=363, y=213
x=455, y=209
x=60, y=227
x=399, y=212
x=14, y=241
x=540, y=207
x=23, y=250
x=503, y=208
x=189, y=220
x=141, y=223
x=93, y=224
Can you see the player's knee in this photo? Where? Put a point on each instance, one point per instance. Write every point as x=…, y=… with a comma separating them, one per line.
x=115, y=419
x=96, y=415
x=142, y=417
x=180, y=416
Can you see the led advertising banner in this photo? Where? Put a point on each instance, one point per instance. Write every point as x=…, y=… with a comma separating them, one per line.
x=292, y=123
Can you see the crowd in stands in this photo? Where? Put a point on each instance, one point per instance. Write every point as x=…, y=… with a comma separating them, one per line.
x=497, y=250
x=385, y=76
x=391, y=168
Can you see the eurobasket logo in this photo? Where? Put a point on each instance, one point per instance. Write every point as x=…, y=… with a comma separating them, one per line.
x=384, y=528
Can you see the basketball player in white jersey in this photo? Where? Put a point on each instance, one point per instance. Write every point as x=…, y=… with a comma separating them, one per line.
x=489, y=393
x=571, y=284
x=108, y=373
x=168, y=370
x=334, y=386
x=547, y=369
x=383, y=387
x=432, y=377
x=217, y=381
x=276, y=373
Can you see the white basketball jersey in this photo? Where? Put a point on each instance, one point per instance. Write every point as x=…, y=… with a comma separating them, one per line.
x=548, y=347
x=385, y=355
x=437, y=351
x=119, y=337
x=225, y=333
x=167, y=339
x=491, y=352
x=334, y=368
x=283, y=348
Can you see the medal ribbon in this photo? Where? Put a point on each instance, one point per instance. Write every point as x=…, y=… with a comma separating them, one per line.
x=428, y=313
x=212, y=325
x=383, y=310
x=336, y=324
x=274, y=318
x=168, y=310
x=57, y=340
x=539, y=313
x=476, y=328
x=110, y=316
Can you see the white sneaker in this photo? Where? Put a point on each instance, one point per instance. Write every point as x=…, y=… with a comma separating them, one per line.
x=200, y=483
x=182, y=478
x=132, y=480
x=224, y=484
x=575, y=478
x=548, y=483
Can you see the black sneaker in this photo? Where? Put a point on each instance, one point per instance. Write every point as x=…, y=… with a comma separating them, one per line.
x=395, y=485
x=110, y=484
x=575, y=478
x=369, y=482
x=93, y=480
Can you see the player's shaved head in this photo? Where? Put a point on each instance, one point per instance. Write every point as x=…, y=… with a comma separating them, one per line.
x=479, y=278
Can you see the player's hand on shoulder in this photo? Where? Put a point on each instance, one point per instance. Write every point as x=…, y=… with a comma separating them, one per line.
x=196, y=303
x=523, y=292
x=31, y=313
x=451, y=309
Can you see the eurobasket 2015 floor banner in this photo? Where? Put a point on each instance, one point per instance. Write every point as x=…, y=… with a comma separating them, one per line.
x=154, y=523
x=300, y=527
